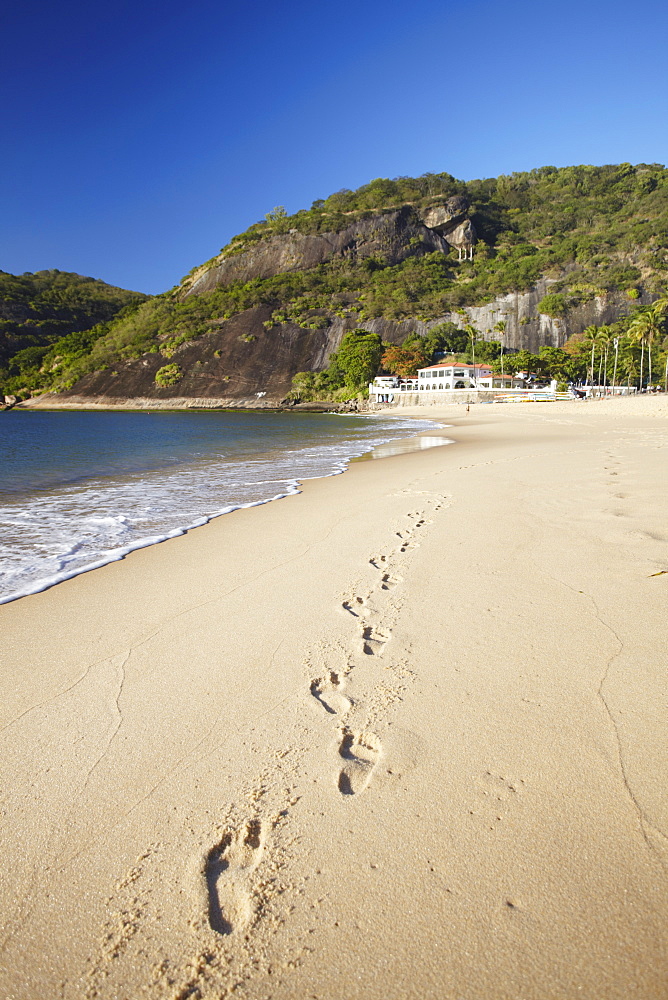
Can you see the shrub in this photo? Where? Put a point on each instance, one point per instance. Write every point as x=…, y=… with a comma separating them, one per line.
x=168, y=375
x=553, y=304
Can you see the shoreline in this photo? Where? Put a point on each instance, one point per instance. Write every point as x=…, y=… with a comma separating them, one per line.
x=293, y=486
x=146, y=403
x=401, y=735
x=51, y=401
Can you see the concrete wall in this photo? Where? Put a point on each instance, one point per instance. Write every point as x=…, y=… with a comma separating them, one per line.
x=443, y=397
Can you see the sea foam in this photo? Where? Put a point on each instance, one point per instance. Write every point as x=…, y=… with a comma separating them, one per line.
x=51, y=534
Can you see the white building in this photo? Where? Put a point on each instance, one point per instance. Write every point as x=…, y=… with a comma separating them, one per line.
x=445, y=376
x=451, y=376
x=493, y=381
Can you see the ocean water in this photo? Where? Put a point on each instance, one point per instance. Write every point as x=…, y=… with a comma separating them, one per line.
x=81, y=489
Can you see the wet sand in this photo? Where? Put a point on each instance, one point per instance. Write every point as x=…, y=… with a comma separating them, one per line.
x=402, y=735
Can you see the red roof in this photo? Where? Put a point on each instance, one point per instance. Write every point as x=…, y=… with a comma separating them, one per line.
x=456, y=364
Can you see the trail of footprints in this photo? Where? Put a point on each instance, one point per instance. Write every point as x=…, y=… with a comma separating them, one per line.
x=361, y=750
x=230, y=867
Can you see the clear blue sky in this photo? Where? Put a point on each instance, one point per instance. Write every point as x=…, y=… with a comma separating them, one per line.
x=138, y=137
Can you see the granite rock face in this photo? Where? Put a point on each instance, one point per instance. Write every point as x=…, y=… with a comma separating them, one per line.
x=391, y=237
x=526, y=328
x=226, y=368
x=451, y=221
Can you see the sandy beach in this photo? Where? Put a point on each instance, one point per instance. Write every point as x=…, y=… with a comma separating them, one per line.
x=400, y=736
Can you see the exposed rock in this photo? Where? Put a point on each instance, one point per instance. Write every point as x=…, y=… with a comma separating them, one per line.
x=391, y=237
x=226, y=368
x=526, y=328
x=443, y=217
x=462, y=237
x=529, y=329
x=450, y=221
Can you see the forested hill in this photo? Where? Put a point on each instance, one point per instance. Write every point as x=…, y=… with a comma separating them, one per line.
x=554, y=250
x=38, y=309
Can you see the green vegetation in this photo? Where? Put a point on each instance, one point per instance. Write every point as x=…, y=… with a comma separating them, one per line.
x=350, y=370
x=633, y=351
x=553, y=305
x=37, y=309
x=168, y=375
x=50, y=320
x=592, y=219
x=592, y=229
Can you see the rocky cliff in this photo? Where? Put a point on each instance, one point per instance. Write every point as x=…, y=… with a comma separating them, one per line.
x=526, y=328
x=391, y=237
x=228, y=367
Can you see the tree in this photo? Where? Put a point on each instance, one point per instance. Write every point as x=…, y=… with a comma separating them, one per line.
x=358, y=358
x=278, y=219
x=654, y=325
x=473, y=334
x=603, y=340
x=500, y=328
x=405, y=360
x=279, y=212
x=645, y=328
x=523, y=361
x=558, y=364
x=488, y=350
x=553, y=304
x=590, y=338
x=446, y=337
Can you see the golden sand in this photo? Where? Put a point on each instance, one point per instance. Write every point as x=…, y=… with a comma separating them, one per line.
x=400, y=736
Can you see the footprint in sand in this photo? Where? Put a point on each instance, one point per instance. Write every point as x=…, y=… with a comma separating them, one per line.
x=421, y=522
x=407, y=541
x=360, y=752
x=374, y=640
x=228, y=867
x=388, y=581
x=354, y=605
x=328, y=692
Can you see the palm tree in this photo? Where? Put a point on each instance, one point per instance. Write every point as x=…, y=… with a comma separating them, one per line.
x=603, y=338
x=614, y=373
x=590, y=337
x=500, y=327
x=627, y=360
x=636, y=334
x=645, y=328
x=658, y=320
x=473, y=333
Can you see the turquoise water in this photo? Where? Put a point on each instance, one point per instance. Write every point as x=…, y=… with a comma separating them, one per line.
x=81, y=489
